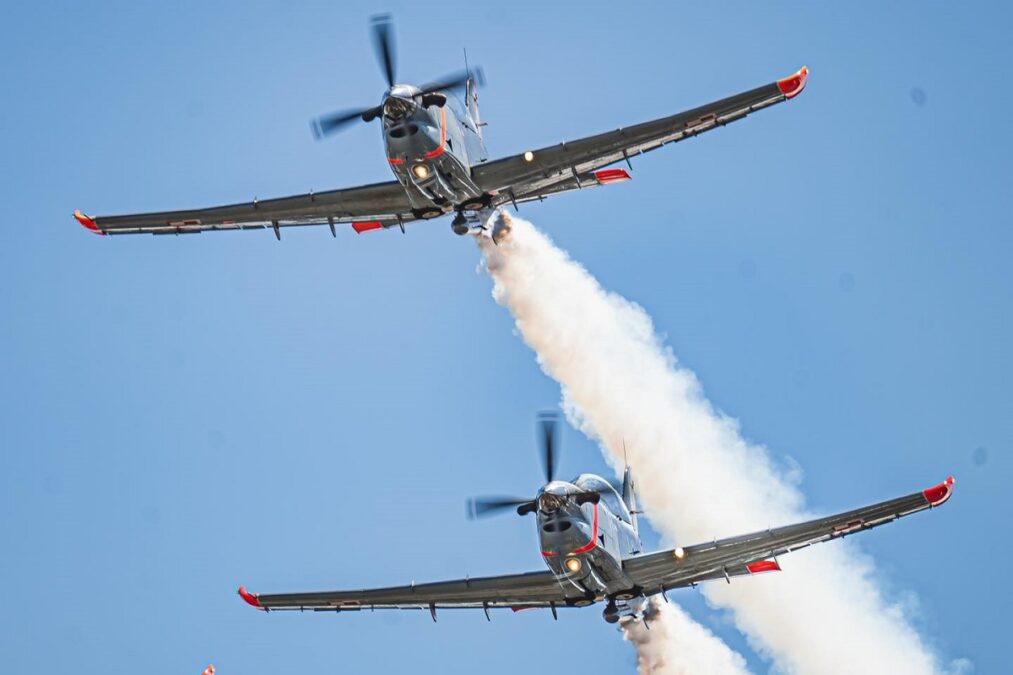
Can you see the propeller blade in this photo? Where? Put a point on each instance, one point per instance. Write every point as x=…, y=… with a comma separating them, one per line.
x=480, y=507
x=547, y=423
x=452, y=81
x=328, y=124
x=591, y=497
x=383, y=43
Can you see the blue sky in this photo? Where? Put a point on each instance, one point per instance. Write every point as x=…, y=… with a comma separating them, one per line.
x=182, y=415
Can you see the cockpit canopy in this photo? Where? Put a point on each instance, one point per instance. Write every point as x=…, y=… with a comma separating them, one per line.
x=609, y=496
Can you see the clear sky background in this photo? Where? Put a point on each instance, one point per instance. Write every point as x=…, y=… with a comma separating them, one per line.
x=182, y=415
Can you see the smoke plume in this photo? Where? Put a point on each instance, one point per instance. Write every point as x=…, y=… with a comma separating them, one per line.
x=696, y=476
x=675, y=644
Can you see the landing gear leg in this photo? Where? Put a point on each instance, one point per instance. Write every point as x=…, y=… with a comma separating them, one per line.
x=460, y=224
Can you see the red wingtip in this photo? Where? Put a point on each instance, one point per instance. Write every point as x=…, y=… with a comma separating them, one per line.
x=250, y=598
x=938, y=494
x=793, y=85
x=87, y=222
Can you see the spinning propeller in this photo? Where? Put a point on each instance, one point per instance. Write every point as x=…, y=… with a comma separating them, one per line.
x=547, y=502
x=383, y=44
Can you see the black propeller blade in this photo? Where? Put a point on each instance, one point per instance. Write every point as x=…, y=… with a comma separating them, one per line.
x=547, y=425
x=327, y=124
x=383, y=43
x=487, y=506
x=480, y=507
x=452, y=81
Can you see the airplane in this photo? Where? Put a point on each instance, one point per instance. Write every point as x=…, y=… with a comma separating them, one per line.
x=434, y=147
x=589, y=540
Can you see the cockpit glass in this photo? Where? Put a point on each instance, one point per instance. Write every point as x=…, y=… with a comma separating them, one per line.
x=608, y=495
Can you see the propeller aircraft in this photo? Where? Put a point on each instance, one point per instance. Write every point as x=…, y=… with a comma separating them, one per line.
x=590, y=542
x=434, y=147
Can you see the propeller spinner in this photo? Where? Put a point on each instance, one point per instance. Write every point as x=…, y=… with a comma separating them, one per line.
x=546, y=502
x=382, y=29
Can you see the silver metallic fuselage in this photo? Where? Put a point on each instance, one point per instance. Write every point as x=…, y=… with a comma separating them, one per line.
x=599, y=536
x=431, y=149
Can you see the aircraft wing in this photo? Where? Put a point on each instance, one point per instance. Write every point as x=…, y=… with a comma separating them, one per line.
x=517, y=591
x=757, y=552
x=368, y=207
x=578, y=164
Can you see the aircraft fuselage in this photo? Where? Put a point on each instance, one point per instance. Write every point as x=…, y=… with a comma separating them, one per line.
x=430, y=147
x=585, y=544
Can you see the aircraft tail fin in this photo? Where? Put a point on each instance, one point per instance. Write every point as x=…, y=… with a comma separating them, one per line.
x=471, y=94
x=630, y=495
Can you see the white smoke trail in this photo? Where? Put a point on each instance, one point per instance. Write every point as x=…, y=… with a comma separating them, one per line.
x=675, y=644
x=696, y=475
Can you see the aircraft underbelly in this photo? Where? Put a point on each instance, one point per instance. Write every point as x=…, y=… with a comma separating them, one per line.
x=448, y=184
x=610, y=571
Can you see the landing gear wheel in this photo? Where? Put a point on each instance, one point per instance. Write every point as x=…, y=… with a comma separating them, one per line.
x=428, y=214
x=475, y=204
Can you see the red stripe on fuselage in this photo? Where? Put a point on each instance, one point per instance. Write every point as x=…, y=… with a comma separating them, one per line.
x=443, y=136
x=594, y=535
x=438, y=151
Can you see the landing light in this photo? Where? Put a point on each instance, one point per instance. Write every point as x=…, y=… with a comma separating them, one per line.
x=573, y=564
x=680, y=553
x=421, y=171
x=528, y=156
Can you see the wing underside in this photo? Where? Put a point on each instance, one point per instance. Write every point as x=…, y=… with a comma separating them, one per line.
x=577, y=164
x=758, y=551
x=518, y=591
x=366, y=208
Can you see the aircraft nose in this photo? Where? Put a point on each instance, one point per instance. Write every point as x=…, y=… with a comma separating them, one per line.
x=397, y=106
x=558, y=487
x=549, y=502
